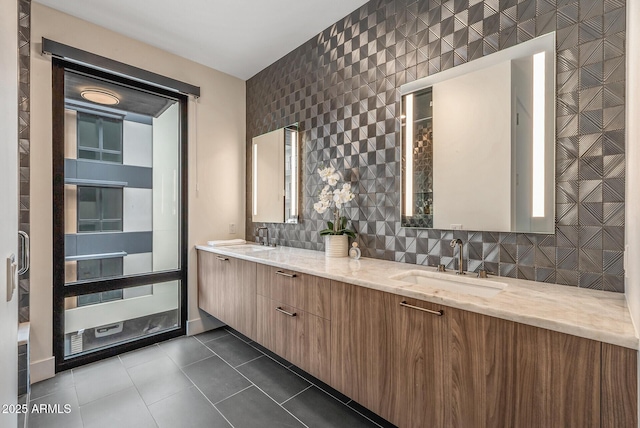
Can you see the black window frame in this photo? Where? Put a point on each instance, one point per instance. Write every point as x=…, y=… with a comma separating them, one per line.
x=60, y=289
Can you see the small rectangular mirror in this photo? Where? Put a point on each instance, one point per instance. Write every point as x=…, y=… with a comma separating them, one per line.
x=478, y=143
x=276, y=177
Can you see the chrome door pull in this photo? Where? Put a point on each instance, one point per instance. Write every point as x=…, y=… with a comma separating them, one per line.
x=279, y=309
x=288, y=275
x=406, y=305
x=222, y=259
x=25, y=252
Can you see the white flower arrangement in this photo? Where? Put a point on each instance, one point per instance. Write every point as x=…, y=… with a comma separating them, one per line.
x=330, y=198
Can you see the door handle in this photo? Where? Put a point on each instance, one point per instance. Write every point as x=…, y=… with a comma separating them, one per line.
x=429, y=311
x=25, y=252
x=288, y=275
x=279, y=309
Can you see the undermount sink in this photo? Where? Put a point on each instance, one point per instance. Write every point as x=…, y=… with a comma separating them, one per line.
x=466, y=284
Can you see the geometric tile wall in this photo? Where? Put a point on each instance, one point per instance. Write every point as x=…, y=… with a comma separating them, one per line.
x=342, y=86
x=24, y=125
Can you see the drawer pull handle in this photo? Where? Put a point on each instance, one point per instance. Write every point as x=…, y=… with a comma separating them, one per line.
x=406, y=305
x=222, y=259
x=288, y=275
x=279, y=309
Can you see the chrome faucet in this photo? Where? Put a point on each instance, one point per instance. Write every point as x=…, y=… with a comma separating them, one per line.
x=458, y=242
x=266, y=242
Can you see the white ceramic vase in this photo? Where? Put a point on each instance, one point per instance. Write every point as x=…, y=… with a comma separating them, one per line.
x=336, y=245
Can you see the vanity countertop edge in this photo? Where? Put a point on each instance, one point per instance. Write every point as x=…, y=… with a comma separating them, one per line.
x=598, y=315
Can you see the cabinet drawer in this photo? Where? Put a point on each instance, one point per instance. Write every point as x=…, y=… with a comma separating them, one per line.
x=297, y=336
x=308, y=293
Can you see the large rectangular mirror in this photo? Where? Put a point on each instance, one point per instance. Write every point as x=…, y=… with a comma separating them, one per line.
x=478, y=143
x=276, y=182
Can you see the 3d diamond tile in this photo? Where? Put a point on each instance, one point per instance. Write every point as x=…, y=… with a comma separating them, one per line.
x=342, y=86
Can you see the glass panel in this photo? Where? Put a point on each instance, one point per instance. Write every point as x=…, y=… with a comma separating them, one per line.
x=106, y=323
x=88, y=131
x=145, y=212
x=88, y=203
x=88, y=226
x=111, y=225
x=111, y=204
x=112, y=157
x=112, y=134
x=111, y=267
x=88, y=269
x=88, y=154
x=89, y=299
x=99, y=268
x=105, y=296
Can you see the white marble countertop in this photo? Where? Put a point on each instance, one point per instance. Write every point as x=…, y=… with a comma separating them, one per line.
x=592, y=314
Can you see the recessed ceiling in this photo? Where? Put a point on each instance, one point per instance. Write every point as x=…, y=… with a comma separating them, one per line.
x=130, y=100
x=238, y=37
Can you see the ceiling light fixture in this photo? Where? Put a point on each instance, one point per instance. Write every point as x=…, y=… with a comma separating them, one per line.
x=100, y=96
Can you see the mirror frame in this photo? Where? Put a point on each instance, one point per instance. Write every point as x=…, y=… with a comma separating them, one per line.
x=290, y=167
x=545, y=43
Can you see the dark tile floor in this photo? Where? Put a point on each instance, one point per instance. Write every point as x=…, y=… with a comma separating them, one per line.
x=216, y=379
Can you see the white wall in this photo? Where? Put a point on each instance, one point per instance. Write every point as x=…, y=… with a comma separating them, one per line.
x=216, y=155
x=137, y=144
x=9, y=205
x=632, y=194
x=166, y=189
x=632, y=226
x=136, y=209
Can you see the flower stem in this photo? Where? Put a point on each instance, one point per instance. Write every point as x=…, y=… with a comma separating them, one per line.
x=336, y=220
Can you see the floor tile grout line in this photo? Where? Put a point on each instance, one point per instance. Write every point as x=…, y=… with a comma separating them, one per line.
x=296, y=394
x=307, y=380
x=332, y=396
x=78, y=401
x=250, y=361
x=113, y=393
x=221, y=414
x=250, y=382
x=176, y=363
x=270, y=397
x=211, y=340
x=205, y=397
x=234, y=394
x=310, y=382
x=144, y=362
x=269, y=356
x=238, y=337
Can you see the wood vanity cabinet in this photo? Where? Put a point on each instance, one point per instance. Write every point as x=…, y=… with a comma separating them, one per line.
x=420, y=391
x=361, y=341
x=557, y=379
x=416, y=366
x=619, y=399
x=293, y=314
x=227, y=290
x=464, y=369
x=481, y=371
x=388, y=357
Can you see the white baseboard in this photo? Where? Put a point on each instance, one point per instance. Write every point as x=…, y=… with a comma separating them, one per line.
x=202, y=324
x=42, y=369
